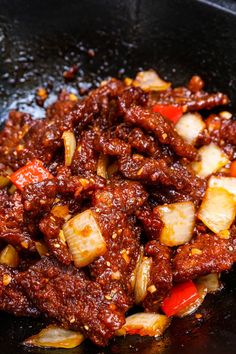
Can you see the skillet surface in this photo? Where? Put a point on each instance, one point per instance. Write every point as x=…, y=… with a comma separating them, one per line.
x=39, y=39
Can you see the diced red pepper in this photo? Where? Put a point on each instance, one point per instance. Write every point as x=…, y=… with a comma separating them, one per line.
x=172, y=113
x=232, y=169
x=181, y=296
x=33, y=172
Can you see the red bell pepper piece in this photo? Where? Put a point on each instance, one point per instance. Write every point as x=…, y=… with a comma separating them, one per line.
x=232, y=169
x=180, y=297
x=33, y=172
x=172, y=113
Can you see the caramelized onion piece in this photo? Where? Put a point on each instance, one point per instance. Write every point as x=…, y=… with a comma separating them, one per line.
x=9, y=256
x=178, y=219
x=134, y=273
x=55, y=337
x=70, y=146
x=142, y=279
x=4, y=181
x=228, y=183
x=41, y=248
x=145, y=324
x=84, y=238
x=102, y=166
x=217, y=210
x=190, y=126
x=212, y=159
x=210, y=281
x=150, y=81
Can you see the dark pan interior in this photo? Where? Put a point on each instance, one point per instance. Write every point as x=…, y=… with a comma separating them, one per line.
x=40, y=38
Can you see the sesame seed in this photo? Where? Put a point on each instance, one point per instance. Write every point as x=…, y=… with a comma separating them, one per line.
x=86, y=327
x=57, y=245
x=108, y=264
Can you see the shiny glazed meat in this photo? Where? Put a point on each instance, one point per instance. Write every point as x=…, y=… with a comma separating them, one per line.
x=136, y=170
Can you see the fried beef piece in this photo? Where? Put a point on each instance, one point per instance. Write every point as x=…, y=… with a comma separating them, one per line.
x=67, y=296
x=191, y=101
x=228, y=131
x=43, y=137
x=51, y=225
x=161, y=128
x=132, y=96
x=111, y=146
x=38, y=197
x=138, y=140
x=97, y=105
x=214, y=256
x=12, y=298
x=12, y=227
x=113, y=207
x=149, y=170
x=11, y=135
x=85, y=158
x=160, y=275
x=151, y=222
x=69, y=185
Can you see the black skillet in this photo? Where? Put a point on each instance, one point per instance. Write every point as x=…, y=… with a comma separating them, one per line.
x=39, y=39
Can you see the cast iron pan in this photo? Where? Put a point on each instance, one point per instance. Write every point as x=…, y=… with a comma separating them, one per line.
x=39, y=39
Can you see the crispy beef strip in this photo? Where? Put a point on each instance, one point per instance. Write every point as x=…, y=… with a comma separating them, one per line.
x=228, y=131
x=12, y=298
x=216, y=255
x=161, y=128
x=135, y=112
x=138, y=140
x=97, y=105
x=12, y=227
x=151, y=221
x=67, y=296
x=51, y=225
x=191, y=101
x=160, y=275
x=85, y=158
x=42, y=137
x=15, y=128
x=38, y=197
x=149, y=170
x=114, y=206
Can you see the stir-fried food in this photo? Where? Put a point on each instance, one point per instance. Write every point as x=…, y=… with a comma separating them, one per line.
x=124, y=197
